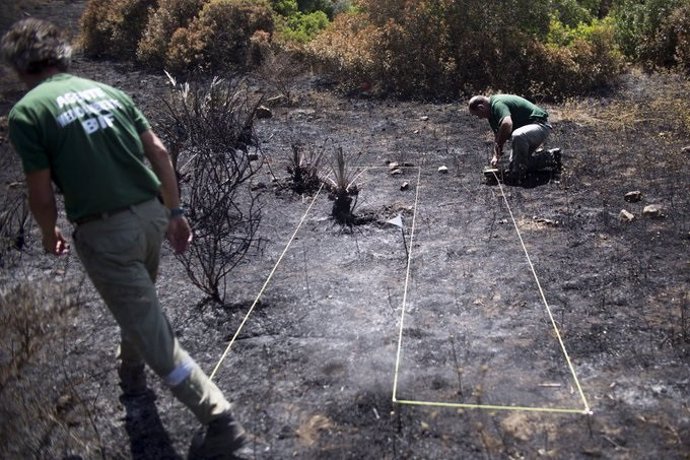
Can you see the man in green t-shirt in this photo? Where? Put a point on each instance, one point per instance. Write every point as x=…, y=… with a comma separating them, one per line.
x=525, y=124
x=92, y=142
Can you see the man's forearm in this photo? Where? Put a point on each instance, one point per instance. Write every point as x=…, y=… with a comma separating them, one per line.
x=44, y=212
x=159, y=158
x=505, y=129
x=164, y=170
x=42, y=200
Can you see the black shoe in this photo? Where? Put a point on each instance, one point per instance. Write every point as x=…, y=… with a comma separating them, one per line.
x=224, y=438
x=132, y=379
x=556, y=153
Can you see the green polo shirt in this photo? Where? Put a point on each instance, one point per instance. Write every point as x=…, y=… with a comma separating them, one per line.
x=520, y=110
x=87, y=134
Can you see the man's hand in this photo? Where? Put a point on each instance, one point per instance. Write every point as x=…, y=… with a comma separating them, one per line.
x=498, y=151
x=55, y=243
x=179, y=234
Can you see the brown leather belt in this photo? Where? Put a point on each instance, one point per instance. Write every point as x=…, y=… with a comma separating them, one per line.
x=101, y=215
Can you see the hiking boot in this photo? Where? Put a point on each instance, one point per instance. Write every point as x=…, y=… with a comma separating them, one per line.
x=132, y=379
x=556, y=153
x=224, y=438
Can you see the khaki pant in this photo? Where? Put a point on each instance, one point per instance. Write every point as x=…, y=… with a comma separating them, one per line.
x=120, y=254
x=525, y=141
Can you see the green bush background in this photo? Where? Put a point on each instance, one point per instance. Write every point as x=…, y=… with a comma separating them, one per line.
x=434, y=49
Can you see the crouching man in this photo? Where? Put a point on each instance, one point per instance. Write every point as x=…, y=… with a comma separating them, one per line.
x=92, y=141
x=524, y=124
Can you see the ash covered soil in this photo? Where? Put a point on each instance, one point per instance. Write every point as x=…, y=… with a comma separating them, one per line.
x=486, y=362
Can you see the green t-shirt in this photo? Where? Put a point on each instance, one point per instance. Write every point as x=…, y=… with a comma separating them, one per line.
x=520, y=110
x=87, y=134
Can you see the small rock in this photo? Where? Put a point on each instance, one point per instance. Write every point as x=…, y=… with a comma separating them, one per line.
x=653, y=211
x=633, y=197
x=424, y=118
x=545, y=221
x=685, y=149
x=276, y=100
x=252, y=156
x=393, y=165
x=396, y=172
x=405, y=186
x=263, y=112
x=626, y=216
x=443, y=169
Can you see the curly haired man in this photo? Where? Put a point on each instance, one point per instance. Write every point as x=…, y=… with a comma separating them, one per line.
x=92, y=142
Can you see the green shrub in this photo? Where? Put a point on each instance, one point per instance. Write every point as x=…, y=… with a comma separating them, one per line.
x=585, y=64
x=114, y=28
x=431, y=49
x=285, y=8
x=563, y=35
x=671, y=44
x=302, y=27
x=163, y=22
x=345, y=50
x=220, y=36
x=650, y=32
x=310, y=6
x=682, y=16
x=575, y=12
x=572, y=13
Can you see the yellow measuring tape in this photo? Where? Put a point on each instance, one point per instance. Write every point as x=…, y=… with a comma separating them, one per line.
x=585, y=410
x=268, y=280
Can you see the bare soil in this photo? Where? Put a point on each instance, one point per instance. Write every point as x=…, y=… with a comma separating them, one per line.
x=476, y=362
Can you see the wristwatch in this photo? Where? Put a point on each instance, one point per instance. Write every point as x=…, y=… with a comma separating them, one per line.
x=176, y=212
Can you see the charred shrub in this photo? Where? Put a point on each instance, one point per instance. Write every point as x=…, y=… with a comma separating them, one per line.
x=211, y=126
x=303, y=167
x=220, y=36
x=280, y=66
x=33, y=316
x=14, y=226
x=342, y=187
x=114, y=28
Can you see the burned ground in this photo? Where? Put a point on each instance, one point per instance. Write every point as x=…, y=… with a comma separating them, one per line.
x=313, y=370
